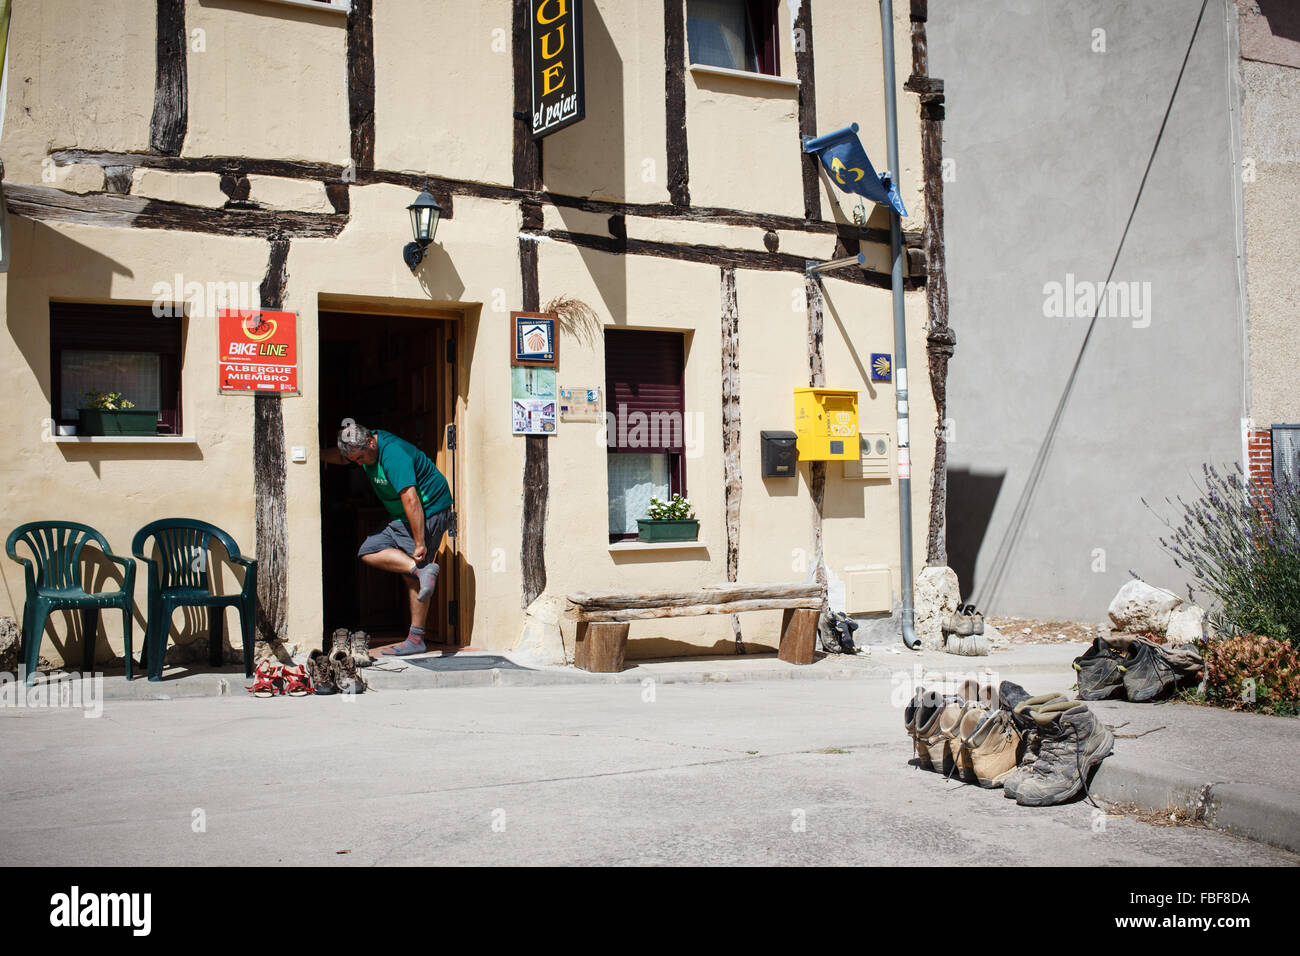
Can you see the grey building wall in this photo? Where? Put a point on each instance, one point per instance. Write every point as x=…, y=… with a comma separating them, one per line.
x=1049, y=128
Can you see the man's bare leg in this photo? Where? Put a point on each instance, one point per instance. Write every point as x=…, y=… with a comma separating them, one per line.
x=399, y=562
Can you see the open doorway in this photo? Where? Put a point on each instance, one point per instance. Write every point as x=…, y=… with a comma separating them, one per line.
x=396, y=373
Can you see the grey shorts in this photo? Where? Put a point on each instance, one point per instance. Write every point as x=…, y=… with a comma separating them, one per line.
x=397, y=534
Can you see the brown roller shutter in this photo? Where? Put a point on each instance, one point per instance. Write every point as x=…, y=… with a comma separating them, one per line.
x=644, y=390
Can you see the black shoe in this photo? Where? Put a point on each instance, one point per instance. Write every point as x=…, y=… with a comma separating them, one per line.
x=1100, y=670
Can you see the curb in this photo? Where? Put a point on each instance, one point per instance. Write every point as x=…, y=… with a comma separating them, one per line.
x=1264, y=814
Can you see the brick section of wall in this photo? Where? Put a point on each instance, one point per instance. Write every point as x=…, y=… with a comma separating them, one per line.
x=1259, y=467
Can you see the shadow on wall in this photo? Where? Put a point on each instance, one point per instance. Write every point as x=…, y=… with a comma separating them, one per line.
x=588, y=157
x=38, y=257
x=1283, y=17
x=971, y=499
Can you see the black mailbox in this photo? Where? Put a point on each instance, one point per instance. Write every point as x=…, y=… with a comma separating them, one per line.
x=780, y=454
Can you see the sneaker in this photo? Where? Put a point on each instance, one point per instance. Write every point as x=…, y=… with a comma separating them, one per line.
x=1073, y=743
x=1101, y=675
x=359, y=647
x=1147, y=674
x=320, y=673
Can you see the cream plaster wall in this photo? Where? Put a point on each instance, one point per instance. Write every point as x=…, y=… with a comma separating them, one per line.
x=448, y=67
x=80, y=74
x=269, y=81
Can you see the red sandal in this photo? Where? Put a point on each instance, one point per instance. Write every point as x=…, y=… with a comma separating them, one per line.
x=296, y=682
x=269, y=680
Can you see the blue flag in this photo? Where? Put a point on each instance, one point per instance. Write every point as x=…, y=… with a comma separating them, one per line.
x=846, y=163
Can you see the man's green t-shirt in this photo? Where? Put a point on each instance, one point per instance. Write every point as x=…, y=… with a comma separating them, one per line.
x=400, y=466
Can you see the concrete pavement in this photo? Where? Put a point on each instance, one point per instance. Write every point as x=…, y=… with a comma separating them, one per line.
x=787, y=771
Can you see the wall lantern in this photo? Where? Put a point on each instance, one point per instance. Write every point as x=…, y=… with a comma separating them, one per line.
x=424, y=223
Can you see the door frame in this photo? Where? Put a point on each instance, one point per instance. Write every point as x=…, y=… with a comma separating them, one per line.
x=452, y=320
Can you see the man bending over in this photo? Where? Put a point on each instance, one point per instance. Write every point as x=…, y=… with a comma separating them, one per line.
x=419, y=501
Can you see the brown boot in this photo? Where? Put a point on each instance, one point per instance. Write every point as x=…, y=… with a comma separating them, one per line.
x=993, y=747
x=359, y=646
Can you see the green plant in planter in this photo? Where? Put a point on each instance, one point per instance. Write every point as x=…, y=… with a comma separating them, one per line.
x=107, y=401
x=108, y=413
x=672, y=520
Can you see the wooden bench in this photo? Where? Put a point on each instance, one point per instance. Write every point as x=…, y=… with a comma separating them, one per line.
x=603, y=617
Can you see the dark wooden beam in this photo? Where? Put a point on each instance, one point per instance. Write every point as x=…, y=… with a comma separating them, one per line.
x=444, y=189
x=171, y=96
x=803, y=61
x=124, y=211
x=940, y=338
x=815, y=294
x=527, y=168
x=731, y=469
x=361, y=83
x=270, y=500
x=722, y=257
x=679, y=174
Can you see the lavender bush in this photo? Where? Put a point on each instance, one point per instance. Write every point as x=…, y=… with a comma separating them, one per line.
x=1243, y=548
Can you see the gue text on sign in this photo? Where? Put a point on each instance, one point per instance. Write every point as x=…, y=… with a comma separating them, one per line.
x=558, y=82
x=257, y=351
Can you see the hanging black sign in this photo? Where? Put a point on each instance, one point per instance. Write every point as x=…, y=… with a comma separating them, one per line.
x=559, y=99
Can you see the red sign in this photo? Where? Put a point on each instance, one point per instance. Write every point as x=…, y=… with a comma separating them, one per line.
x=257, y=351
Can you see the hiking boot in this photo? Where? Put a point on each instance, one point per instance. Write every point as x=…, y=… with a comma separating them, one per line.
x=359, y=647
x=340, y=644
x=1147, y=674
x=1101, y=675
x=346, y=676
x=910, y=714
x=1022, y=718
x=320, y=674
x=975, y=715
x=1073, y=742
x=936, y=734
x=992, y=747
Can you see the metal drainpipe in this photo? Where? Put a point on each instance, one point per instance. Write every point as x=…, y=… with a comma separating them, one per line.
x=900, y=334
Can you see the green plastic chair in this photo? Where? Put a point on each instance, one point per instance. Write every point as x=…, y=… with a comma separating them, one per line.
x=180, y=579
x=56, y=582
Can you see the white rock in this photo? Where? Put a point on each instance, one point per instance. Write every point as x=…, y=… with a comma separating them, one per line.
x=935, y=596
x=541, y=641
x=1139, y=608
x=1185, y=624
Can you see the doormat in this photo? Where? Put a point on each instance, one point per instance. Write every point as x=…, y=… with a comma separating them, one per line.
x=461, y=662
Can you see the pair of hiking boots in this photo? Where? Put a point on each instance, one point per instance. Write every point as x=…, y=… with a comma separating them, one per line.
x=1135, y=668
x=339, y=672
x=1040, y=750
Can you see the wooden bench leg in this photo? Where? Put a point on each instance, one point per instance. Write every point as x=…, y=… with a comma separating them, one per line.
x=600, y=647
x=798, y=635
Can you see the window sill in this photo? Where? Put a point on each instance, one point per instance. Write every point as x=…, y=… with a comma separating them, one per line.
x=123, y=439
x=337, y=6
x=743, y=75
x=620, y=547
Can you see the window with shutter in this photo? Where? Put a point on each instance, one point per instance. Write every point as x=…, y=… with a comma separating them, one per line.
x=115, y=348
x=646, y=411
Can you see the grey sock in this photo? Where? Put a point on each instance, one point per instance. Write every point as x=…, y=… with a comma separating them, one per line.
x=428, y=578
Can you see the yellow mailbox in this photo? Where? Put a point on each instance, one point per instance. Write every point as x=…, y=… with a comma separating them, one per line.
x=826, y=424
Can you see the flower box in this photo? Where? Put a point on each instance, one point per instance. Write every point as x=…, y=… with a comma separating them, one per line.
x=135, y=421
x=651, y=530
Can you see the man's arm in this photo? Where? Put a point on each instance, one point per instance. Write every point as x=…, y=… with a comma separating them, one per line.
x=414, y=509
x=332, y=456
